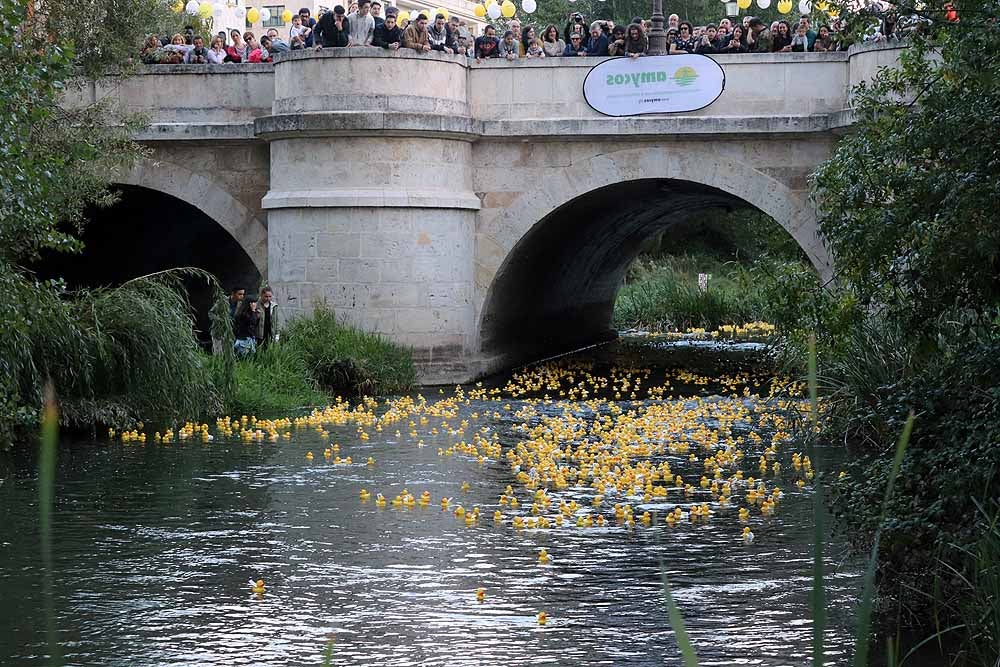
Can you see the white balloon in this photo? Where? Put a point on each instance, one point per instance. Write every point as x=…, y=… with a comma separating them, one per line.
x=217, y=11
x=529, y=6
x=805, y=7
x=240, y=12
x=265, y=14
x=763, y=4
x=493, y=11
x=192, y=7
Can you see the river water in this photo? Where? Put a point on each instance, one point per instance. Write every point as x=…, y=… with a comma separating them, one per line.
x=155, y=542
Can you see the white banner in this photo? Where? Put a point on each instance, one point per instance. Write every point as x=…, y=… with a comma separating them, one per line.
x=653, y=84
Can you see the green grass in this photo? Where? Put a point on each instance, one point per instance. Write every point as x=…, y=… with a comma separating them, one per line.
x=317, y=356
x=663, y=294
x=346, y=360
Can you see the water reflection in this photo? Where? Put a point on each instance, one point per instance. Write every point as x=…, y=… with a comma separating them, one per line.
x=155, y=543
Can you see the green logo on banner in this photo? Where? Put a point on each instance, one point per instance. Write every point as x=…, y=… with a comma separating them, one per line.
x=685, y=76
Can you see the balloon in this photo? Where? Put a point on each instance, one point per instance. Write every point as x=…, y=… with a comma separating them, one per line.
x=529, y=6
x=253, y=15
x=191, y=7
x=784, y=6
x=805, y=7
x=286, y=16
x=479, y=11
x=763, y=4
x=493, y=11
x=508, y=9
x=217, y=12
x=745, y=4
x=205, y=10
x=239, y=12
x=442, y=11
x=402, y=16
x=822, y=6
x=177, y=7
x=265, y=15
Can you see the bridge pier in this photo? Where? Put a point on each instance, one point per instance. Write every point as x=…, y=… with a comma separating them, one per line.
x=371, y=210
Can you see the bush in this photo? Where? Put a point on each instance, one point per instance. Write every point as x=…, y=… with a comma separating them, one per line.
x=664, y=294
x=114, y=355
x=343, y=359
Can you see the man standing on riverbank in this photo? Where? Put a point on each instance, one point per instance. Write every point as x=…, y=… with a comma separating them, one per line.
x=235, y=297
x=267, y=326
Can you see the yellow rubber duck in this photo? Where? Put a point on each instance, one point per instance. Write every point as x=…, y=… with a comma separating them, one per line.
x=309, y=456
x=371, y=461
x=747, y=535
x=257, y=586
x=380, y=500
x=543, y=557
x=466, y=486
x=543, y=618
x=480, y=594
x=365, y=495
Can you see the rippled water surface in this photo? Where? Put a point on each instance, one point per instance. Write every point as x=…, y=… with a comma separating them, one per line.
x=154, y=544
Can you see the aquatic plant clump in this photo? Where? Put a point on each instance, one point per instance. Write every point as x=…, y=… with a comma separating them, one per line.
x=113, y=355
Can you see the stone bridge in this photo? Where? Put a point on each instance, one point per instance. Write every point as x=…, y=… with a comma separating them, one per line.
x=482, y=214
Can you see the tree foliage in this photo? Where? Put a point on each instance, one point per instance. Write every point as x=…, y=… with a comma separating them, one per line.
x=906, y=206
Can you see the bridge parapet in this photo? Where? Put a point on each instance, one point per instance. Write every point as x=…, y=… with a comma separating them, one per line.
x=371, y=89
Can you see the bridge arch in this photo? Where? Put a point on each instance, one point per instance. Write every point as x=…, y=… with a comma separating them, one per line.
x=549, y=266
x=209, y=197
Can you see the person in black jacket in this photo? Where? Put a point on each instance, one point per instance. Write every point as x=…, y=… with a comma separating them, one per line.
x=333, y=29
x=388, y=35
x=247, y=322
x=706, y=43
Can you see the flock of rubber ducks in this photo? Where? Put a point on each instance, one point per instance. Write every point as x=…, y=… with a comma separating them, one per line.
x=585, y=448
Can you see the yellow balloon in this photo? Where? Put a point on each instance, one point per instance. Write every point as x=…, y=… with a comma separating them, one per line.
x=205, y=10
x=821, y=6
x=743, y=4
x=490, y=2
x=507, y=8
x=442, y=11
x=784, y=6
x=402, y=16
x=178, y=6
x=479, y=11
x=286, y=16
x=253, y=15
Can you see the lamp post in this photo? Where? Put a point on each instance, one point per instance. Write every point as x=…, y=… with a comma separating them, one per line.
x=732, y=9
x=657, y=36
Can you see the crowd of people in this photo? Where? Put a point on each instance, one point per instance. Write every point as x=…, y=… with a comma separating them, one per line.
x=363, y=24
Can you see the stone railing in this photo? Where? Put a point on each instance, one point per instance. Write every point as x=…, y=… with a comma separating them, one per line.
x=365, y=88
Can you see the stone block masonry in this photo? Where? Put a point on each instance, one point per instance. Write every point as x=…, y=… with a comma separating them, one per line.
x=481, y=214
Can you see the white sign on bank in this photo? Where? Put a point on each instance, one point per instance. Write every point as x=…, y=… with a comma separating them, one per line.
x=654, y=84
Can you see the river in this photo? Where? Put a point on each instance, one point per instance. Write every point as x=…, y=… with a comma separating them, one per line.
x=155, y=542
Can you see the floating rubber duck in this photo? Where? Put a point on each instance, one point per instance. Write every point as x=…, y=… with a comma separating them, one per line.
x=480, y=594
x=543, y=618
x=380, y=500
x=309, y=456
x=747, y=535
x=543, y=557
x=371, y=461
x=466, y=486
x=365, y=495
x=257, y=586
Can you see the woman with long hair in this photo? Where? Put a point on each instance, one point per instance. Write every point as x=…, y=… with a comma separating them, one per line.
x=552, y=44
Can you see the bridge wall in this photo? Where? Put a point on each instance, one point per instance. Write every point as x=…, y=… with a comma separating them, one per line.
x=401, y=189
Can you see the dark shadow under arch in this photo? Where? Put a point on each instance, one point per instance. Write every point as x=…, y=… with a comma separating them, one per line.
x=148, y=231
x=556, y=290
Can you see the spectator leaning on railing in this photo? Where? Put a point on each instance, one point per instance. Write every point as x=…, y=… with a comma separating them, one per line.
x=365, y=27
